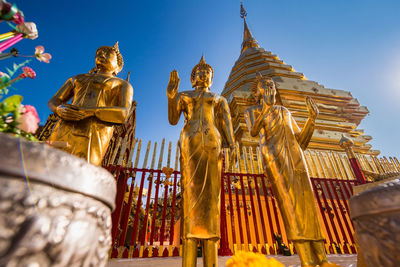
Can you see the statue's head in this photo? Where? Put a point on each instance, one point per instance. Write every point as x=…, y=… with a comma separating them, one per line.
x=109, y=58
x=202, y=74
x=261, y=86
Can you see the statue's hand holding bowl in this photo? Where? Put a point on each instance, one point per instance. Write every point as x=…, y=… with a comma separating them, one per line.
x=72, y=113
x=173, y=84
x=312, y=108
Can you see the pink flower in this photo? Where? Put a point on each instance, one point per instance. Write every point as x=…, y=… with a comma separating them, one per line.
x=29, y=121
x=40, y=55
x=28, y=72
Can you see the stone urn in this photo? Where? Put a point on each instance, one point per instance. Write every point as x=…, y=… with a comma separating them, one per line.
x=376, y=216
x=55, y=208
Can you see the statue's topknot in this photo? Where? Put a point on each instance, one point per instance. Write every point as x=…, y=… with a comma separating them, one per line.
x=201, y=64
x=119, y=56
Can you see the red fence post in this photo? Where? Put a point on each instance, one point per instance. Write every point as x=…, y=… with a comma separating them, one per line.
x=261, y=215
x=127, y=211
x=153, y=220
x=323, y=214
x=274, y=206
x=224, y=249
x=341, y=208
x=168, y=172
x=119, y=200
x=239, y=217
x=355, y=165
x=327, y=209
x=346, y=206
x=136, y=220
x=253, y=210
x=336, y=213
x=171, y=231
x=146, y=215
x=246, y=216
x=347, y=195
x=231, y=209
x=347, y=144
x=271, y=225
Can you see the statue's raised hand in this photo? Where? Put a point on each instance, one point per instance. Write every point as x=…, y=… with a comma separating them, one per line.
x=173, y=84
x=269, y=100
x=312, y=108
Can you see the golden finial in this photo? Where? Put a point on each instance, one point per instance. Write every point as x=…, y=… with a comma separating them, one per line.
x=248, y=39
x=243, y=12
x=202, y=64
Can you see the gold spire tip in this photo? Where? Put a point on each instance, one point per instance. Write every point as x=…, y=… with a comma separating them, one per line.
x=243, y=12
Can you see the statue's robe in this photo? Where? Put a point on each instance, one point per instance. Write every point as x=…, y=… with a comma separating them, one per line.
x=110, y=97
x=201, y=142
x=286, y=168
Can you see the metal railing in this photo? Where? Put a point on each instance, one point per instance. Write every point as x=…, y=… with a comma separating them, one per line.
x=146, y=221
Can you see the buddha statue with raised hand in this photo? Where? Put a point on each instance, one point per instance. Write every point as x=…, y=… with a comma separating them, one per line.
x=207, y=129
x=282, y=143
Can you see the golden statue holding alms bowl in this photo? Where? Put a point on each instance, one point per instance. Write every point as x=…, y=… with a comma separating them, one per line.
x=99, y=101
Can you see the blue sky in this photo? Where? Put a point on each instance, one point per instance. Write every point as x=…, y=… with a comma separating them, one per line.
x=352, y=45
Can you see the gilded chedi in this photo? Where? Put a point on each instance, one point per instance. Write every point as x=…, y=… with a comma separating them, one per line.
x=340, y=112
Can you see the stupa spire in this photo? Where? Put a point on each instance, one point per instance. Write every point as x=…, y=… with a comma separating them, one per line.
x=248, y=39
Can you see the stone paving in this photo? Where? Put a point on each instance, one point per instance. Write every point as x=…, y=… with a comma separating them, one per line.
x=346, y=260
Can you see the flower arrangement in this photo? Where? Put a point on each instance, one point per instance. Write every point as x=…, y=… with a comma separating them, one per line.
x=251, y=259
x=15, y=118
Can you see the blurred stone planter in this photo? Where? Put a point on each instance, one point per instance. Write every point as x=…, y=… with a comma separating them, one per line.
x=376, y=217
x=55, y=208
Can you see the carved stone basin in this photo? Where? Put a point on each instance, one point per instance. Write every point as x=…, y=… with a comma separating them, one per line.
x=55, y=208
x=376, y=216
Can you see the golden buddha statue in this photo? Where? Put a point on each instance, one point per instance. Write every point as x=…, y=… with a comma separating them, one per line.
x=99, y=100
x=282, y=144
x=207, y=129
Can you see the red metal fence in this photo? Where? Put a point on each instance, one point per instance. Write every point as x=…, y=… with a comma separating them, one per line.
x=147, y=224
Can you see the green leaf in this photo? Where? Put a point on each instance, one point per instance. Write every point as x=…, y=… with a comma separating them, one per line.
x=10, y=73
x=11, y=104
x=16, y=67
